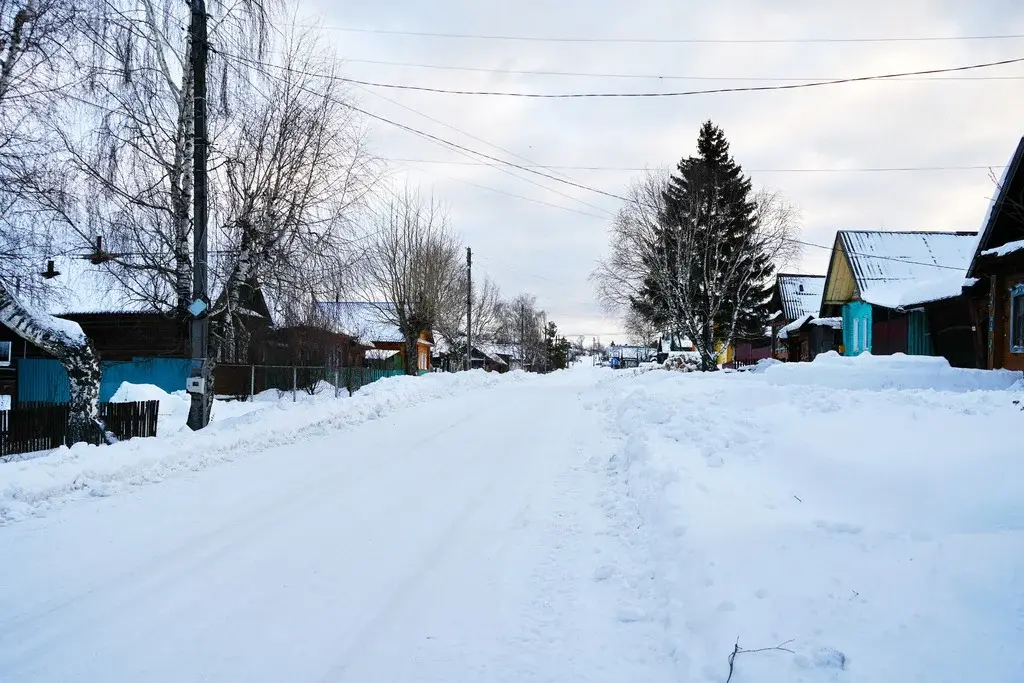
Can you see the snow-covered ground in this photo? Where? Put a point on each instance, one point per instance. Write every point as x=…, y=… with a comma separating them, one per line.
x=591, y=525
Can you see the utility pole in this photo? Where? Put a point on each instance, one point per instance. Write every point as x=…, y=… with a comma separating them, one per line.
x=469, y=308
x=200, y=382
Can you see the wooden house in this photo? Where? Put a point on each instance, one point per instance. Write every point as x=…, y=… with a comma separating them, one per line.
x=794, y=296
x=883, y=285
x=996, y=288
x=369, y=323
x=808, y=336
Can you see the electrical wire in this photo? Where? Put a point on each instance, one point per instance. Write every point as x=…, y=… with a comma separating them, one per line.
x=659, y=77
x=679, y=93
x=862, y=169
x=665, y=41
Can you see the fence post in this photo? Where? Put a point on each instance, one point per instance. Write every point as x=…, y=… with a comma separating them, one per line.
x=252, y=383
x=295, y=382
x=335, y=382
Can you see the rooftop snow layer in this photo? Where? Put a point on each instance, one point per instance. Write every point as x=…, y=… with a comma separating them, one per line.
x=800, y=294
x=1008, y=248
x=895, y=269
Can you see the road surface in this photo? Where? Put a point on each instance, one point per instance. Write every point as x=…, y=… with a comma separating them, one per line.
x=467, y=539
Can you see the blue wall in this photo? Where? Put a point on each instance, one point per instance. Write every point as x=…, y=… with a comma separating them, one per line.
x=856, y=328
x=44, y=379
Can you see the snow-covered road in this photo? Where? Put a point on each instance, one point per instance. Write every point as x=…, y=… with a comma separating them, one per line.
x=867, y=516
x=457, y=540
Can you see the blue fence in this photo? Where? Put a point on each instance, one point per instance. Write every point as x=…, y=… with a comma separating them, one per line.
x=44, y=380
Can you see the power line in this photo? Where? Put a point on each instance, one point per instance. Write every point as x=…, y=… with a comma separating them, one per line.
x=679, y=93
x=483, y=155
x=660, y=77
x=666, y=41
x=528, y=199
x=528, y=161
x=862, y=169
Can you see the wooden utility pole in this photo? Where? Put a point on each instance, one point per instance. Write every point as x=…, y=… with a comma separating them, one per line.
x=200, y=384
x=469, y=308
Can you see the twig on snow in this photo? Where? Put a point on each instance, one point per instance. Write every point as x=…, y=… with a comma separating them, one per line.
x=797, y=498
x=738, y=651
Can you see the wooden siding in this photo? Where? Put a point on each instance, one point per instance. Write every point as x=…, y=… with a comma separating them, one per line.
x=840, y=285
x=1003, y=355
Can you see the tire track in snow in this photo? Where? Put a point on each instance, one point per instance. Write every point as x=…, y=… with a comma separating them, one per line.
x=185, y=559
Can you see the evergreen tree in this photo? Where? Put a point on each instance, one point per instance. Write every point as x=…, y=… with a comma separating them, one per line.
x=708, y=274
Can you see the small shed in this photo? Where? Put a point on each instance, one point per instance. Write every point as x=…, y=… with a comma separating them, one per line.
x=808, y=336
x=996, y=288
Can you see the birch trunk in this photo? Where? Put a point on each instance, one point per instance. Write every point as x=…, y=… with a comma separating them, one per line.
x=65, y=340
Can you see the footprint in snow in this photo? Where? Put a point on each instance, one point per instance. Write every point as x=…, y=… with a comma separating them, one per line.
x=604, y=572
x=838, y=527
x=629, y=615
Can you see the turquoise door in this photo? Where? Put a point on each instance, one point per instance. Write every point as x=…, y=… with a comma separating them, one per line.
x=856, y=328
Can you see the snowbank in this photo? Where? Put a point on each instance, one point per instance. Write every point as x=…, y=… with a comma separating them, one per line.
x=879, y=537
x=173, y=416
x=877, y=373
x=36, y=486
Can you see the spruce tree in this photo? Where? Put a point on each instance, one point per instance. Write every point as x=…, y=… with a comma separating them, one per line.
x=708, y=206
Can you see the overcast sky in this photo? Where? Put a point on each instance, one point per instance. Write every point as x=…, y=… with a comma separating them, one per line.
x=974, y=119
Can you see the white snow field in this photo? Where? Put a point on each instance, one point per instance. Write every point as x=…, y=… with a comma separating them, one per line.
x=589, y=525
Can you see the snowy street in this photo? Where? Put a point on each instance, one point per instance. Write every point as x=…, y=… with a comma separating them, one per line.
x=589, y=525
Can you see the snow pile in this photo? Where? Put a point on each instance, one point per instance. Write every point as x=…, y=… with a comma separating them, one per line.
x=874, y=537
x=33, y=487
x=898, y=371
x=684, y=361
x=174, y=407
x=762, y=365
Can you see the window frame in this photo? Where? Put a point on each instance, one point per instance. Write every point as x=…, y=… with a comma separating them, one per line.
x=1016, y=307
x=6, y=363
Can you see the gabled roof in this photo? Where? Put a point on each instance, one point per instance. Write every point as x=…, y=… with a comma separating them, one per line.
x=1001, y=225
x=364, y=320
x=897, y=269
x=798, y=295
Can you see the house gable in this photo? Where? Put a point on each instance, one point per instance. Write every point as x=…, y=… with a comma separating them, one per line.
x=1004, y=222
x=840, y=284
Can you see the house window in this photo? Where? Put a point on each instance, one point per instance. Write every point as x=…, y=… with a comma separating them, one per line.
x=1017, y=319
x=856, y=335
x=5, y=353
x=863, y=343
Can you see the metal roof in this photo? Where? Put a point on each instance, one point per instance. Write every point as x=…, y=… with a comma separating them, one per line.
x=894, y=269
x=364, y=320
x=800, y=295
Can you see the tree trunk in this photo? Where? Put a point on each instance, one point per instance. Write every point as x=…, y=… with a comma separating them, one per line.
x=65, y=340
x=411, y=354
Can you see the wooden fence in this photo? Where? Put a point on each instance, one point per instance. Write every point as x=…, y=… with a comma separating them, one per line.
x=43, y=426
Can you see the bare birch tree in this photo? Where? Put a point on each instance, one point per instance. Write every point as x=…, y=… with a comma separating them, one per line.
x=36, y=61
x=293, y=177
x=412, y=261
x=633, y=238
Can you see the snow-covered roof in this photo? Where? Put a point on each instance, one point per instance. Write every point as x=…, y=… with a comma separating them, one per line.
x=363, y=320
x=795, y=325
x=800, y=294
x=82, y=287
x=898, y=269
x=504, y=350
x=380, y=354
x=1012, y=176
